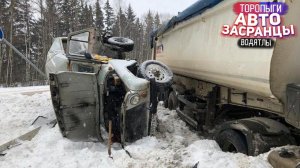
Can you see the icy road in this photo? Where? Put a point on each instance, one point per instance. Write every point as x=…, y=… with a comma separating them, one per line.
x=174, y=145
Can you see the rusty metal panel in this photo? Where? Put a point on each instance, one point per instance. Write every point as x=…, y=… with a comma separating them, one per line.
x=76, y=103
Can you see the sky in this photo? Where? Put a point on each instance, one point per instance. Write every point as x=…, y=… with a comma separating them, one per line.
x=141, y=7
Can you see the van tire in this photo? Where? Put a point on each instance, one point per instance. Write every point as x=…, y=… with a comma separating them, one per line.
x=165, y=78
x=125, y=44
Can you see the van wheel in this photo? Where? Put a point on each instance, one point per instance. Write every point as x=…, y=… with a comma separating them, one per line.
x=125, y=43
x=232, y=141
x=172, y=101
x=160, y=72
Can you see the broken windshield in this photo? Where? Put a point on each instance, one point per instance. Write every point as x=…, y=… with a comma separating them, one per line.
x=79, y=44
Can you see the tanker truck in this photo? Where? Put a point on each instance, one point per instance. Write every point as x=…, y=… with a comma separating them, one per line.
x=247, y=99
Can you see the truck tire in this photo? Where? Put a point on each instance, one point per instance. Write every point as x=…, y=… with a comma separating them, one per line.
x=155, y=69
x=172, y=101
x=232, y=141
x=125, y=44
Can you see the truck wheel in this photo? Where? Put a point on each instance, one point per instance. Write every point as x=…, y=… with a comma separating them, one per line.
x=155, y=69
x=172, y=101
x=232, y=141
x=125, y=43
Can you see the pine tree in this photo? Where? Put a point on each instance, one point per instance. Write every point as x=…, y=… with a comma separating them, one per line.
x=99, y=17
x=108, y=17
x=51, y=17
x=148, y=30
x=33, y=36
x=130, y=16
x=120, y=24
x=20, y=35
x=4, y=23
x=81, y=14
x=85, y=13
x=46, y=28
x=91, y=17
x=10, y=28
x=38, y=47
x=157, y=21
x=3, y=11
x=64, y=15
x=42, y=39
x=74, y=14
x=88, y=17
x=29, y=31
x=139, y=44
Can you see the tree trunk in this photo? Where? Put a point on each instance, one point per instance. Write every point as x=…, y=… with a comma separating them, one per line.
x=10, y=53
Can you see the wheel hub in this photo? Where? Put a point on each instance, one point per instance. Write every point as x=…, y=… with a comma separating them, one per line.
x=156, y=72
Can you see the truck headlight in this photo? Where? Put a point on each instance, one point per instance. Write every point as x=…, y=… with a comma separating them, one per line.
x=135, y=99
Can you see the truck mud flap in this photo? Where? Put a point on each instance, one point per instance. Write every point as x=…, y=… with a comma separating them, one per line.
x=76, y=104
x=293, y=105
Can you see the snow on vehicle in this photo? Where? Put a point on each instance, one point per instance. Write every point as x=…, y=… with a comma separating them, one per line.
x=56, y=57
x=248, y=98
x=95, y=90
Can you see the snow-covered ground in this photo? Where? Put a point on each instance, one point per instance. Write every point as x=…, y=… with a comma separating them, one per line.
x=19, y=107
x=174, y=145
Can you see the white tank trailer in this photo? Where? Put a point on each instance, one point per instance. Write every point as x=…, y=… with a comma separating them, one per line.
x=219, y=85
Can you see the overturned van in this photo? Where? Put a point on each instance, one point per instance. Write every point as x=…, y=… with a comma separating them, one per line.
x=95, y=90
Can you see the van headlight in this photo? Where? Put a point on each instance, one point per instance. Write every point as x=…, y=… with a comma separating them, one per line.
x=135, y=99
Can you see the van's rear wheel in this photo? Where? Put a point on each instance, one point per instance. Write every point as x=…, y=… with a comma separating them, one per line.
x=232, y=141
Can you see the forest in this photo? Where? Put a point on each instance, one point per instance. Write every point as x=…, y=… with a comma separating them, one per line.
x=31, y=25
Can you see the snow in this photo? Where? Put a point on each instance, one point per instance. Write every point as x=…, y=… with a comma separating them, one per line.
x=8, y=91
x=174, y=145
x=19, y=107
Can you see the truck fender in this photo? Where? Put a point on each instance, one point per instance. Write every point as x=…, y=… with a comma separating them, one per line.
x=261, y=133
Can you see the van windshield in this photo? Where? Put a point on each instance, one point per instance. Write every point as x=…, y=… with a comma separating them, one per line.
x=79, y=44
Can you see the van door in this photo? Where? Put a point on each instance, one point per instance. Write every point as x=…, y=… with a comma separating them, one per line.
x=76, y=104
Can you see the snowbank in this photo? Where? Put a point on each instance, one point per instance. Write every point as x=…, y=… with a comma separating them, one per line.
x=174, y=145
